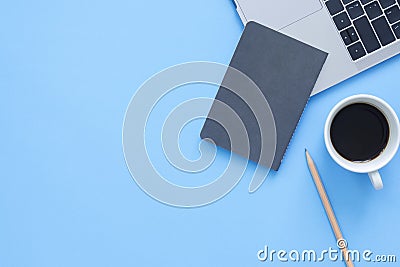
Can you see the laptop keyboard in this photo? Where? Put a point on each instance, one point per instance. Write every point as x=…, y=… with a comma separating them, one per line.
x=366, y=25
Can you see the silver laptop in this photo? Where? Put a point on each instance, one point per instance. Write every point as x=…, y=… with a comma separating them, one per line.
x=356, y=34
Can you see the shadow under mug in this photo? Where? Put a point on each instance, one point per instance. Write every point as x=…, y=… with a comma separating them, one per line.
x=372, y=166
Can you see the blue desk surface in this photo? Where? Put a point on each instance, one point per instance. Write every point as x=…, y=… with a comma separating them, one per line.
x=67, y=72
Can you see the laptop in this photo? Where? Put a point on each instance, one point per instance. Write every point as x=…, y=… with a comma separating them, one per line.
x=356, y=34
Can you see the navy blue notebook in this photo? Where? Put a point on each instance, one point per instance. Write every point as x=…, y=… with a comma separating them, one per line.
x=285, y=70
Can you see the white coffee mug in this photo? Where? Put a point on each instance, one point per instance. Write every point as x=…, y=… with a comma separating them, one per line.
x=371, y=167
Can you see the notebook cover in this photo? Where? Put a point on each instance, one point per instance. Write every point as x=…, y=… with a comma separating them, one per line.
x=285, y=70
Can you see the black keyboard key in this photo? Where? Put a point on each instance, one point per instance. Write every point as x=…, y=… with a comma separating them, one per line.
x=396, y=29
x=356, y=51
x=347, y=1
x=373, y=10
x=342, y=21
x=334, y=6
x=383, y=31
x=393, y=14
x=387, y=3
x=345, y=37
x=366, y=34
x=352, y=33
x=355, y=10
x=365, y=1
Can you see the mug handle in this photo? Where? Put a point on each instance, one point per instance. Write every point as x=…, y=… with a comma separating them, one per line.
x=376, y=180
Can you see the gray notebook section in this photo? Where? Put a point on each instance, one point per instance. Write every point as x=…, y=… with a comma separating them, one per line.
x=285, y=70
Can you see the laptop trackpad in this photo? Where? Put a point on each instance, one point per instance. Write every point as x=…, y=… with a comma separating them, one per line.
x=277, y=14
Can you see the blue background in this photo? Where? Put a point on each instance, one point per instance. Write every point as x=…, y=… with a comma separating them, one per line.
x=67, y=72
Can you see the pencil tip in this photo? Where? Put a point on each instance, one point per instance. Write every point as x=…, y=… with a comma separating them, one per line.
x=307, y=155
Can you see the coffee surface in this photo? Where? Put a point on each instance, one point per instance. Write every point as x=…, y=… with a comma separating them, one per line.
x=359, y=132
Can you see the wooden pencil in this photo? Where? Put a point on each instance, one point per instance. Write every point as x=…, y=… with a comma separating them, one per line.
x=342, y=244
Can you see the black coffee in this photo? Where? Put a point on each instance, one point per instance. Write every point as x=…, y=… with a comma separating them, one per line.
x=359, y=132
